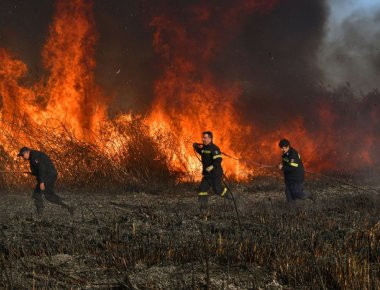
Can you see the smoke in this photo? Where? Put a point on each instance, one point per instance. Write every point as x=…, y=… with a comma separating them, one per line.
x=274, y=58
x=289, y=69
x=125, y=57
x=350, y=53
x=23, y=29
x=287, y=52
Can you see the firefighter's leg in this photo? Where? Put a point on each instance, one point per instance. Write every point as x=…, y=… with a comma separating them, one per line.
x=38, y=201
x=299, y=193
x=51, y=196
x=217, y=184
x=289, y=193
x=203, y=194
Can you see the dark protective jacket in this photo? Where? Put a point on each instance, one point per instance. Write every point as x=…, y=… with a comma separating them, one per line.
x=293, y=166
x=41, y=166
x=210, y=155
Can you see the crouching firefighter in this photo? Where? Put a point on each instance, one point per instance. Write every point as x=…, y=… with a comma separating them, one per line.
x=294, y=173
x=43, y=169
x=212, y=170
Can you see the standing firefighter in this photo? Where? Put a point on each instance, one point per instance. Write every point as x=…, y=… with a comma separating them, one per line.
x=43, y=169
x=212, y=170
x=294, y=173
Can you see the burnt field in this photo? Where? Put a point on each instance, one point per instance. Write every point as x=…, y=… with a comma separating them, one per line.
x=137, y=240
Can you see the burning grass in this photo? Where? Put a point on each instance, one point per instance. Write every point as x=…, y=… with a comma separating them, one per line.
x=127, y=159
x=147, y=241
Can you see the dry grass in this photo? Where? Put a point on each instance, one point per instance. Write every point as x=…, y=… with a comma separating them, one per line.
x=132, y=159
x=147, y=241
x=122, y=237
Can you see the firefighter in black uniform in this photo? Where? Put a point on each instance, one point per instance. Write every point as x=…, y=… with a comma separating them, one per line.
x=43, y=169
x=212, y=170
x=294, y=173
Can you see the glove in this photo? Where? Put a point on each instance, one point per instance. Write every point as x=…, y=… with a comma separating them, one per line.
x=197, y=145
x=211, y=167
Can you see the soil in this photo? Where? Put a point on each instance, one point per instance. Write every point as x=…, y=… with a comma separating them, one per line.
x=160, y=241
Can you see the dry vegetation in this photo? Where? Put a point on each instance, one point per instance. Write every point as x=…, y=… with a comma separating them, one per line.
x=144, y=241
x=135, y=228
x=130, y=160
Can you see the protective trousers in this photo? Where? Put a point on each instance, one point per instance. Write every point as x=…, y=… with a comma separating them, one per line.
x=294, y=191
x=214, y=180
x=48, y=193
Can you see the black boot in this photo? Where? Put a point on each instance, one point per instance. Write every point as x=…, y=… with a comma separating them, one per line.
x=203, y=207
x=40, y=210
x=70, y=209
x=311, y=197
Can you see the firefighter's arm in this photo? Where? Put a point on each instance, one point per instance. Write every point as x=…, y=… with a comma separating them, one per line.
x=216, y=158
x=198, y=147
x=288, y=168
x=41, y=171
x=293, y=163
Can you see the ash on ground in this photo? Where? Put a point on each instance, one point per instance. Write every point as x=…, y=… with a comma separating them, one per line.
x=158, y=241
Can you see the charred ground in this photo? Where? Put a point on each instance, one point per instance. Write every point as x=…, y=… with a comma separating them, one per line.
x=156, y=241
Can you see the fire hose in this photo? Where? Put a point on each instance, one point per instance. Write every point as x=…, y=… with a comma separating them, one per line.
x=337, y=180
x=253, y=162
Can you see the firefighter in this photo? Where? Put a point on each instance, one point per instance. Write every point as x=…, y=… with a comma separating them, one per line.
x=294, y=173
x=43, y=169
x=212, y=170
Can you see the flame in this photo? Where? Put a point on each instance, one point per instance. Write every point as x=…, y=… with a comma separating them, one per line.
x=68, y=96
x=189, y=99
x=69, y=56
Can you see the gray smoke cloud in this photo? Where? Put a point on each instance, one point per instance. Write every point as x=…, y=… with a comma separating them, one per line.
x=275, y=59
x=350, y=51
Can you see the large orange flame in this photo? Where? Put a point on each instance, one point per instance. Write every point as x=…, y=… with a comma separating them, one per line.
x=68, y=96
x=188, y=97
x=69, y=56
